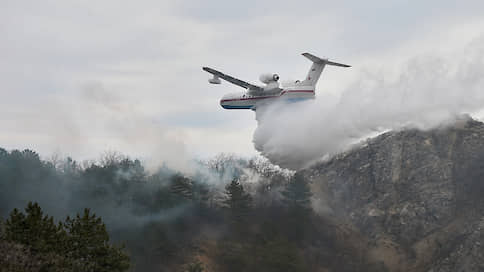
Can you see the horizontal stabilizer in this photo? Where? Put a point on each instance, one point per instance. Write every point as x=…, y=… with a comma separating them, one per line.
x=315, y=59
x=337, y=64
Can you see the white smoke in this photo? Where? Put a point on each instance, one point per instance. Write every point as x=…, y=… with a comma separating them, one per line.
x=124, y=126
x=428, y=91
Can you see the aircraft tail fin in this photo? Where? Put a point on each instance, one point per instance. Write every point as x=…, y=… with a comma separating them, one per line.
x=317, y=68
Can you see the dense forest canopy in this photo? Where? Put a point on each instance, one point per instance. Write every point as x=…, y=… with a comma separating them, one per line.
x=240, y=214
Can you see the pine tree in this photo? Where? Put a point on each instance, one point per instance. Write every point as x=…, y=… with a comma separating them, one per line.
x=238, y=204
x=297, y=194
x=89, y=241
x=181, y=189
x=79, y=244
x=34, y=230
x=201, y=194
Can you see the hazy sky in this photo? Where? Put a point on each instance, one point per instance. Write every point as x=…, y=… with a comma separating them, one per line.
x=82, y=77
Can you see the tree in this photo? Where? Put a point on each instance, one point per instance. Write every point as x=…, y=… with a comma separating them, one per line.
x=35, y=230
x=297, y=194
x=79, y=244
x=201, y=194
x=181, y=188
x=131, y=170
x=70, y=167
x=88, y=240
x=36, y=242
x=238, y=204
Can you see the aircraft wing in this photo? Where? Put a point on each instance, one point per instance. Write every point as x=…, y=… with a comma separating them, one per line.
x=233, y=80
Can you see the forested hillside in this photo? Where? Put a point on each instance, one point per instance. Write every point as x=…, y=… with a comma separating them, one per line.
x=407, y=200
x=229, y=214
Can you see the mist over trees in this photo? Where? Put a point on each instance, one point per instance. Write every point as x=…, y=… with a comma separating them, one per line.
x=229, y=214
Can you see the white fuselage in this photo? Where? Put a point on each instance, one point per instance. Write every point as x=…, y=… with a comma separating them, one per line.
x=244, y=100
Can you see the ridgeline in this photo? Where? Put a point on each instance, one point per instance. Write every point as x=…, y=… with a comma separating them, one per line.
x=403, y=201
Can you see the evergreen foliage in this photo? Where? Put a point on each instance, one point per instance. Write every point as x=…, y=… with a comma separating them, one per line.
x=181, y=189
x=297, y=194
x=238, y=203
x=201, y=194
x=34, y=229
x=88, y=240
x=164, y=218
x=78, y=243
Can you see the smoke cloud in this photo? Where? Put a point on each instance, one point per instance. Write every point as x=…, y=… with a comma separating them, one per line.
x=126, y=127
x=427, y=92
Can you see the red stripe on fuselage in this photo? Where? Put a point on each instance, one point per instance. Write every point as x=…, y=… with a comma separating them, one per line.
x=264, y=97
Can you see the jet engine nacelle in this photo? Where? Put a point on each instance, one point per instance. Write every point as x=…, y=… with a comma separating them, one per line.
x=268, y=78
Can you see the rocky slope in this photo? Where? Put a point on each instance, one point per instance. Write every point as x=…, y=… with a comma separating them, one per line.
x=417, y=196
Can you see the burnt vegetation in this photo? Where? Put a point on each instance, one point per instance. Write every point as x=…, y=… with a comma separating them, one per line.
x=229, y=215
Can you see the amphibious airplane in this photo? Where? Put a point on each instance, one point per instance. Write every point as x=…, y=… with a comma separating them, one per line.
x=258, y=95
